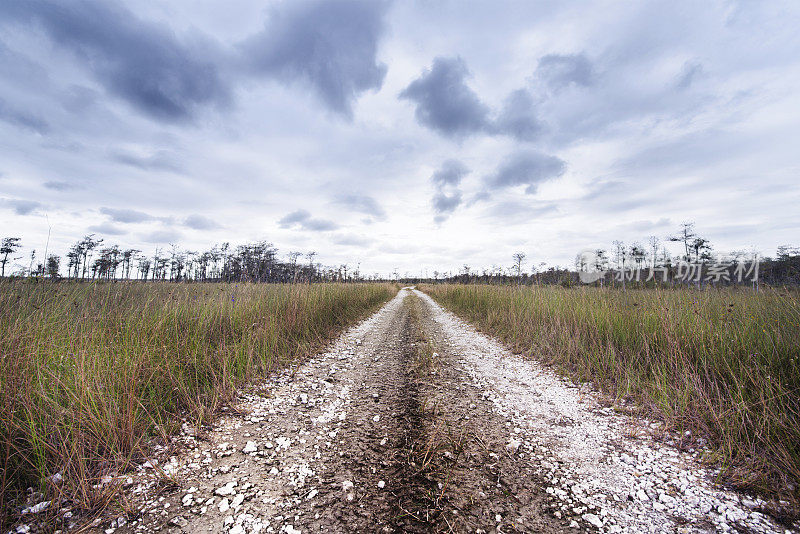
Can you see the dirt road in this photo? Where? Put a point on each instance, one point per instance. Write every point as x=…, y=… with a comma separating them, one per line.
x=414, y=422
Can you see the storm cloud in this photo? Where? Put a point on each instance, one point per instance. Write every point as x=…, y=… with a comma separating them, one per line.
x=407, y=131
x=329, y=46
x=444, y=204
x=518, y=117
x=302, y=219
x=143, y=63
x=106, y=228
x=160, y=160
x=59, y=185
x=24, y=119
x=21, y=206
x=446, y=104
x=447, y=195
x=126, y=215
x=450, y=173
x=200, y=222
x=559, y=71
x=529, y=168
x=362, y=204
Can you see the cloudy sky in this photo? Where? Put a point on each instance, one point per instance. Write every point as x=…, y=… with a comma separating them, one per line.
x=409, y=135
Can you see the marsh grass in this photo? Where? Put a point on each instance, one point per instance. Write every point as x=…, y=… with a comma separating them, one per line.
x=91, y=373
x=721, y=364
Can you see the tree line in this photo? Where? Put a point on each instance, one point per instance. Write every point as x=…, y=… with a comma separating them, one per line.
x=90, y=259
x=624, y=264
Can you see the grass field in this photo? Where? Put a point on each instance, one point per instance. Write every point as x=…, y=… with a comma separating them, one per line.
x=722, y=364
x=90, y=372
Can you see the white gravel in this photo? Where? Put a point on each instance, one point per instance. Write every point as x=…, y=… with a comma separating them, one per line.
x=600, y=464
x=259, y=463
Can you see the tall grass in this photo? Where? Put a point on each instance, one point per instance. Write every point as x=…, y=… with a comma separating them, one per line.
x=89, y=372
x=722, y=364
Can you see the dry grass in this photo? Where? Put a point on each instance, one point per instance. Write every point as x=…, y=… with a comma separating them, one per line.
x=722, y=364
x=91, y=373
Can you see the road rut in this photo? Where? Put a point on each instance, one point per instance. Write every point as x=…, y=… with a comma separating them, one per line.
x=414, y=422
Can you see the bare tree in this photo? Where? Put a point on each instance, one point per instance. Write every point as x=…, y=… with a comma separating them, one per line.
x=310, y=255
x=685, y=236
x=637, y=254
x=519, y=258
x=654, y=243
x=600, y=263
x=621, y=254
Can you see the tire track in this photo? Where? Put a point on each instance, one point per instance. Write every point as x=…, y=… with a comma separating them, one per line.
x=414, y=422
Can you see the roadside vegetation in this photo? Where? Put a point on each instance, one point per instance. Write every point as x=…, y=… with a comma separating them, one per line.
x=721, y=365
x=93, y=374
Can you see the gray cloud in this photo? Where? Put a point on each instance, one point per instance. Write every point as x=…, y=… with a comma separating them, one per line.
x=444, y=204
x=559, y=71
x=20, y=206
x=161, y=160
x=330, y=46
x=690, y=72
x=447, y=195
x=199, y=222
x=126, y=215
x=302, y=219
x=162, y=237
x=450, y=173
x=141, y=62
x=353, y=240
x=447, y=105
x=56, y=185
x=518, y=118
x=529, y=168
x=362, y=204
x=22, y=118
x=520, y=211
x=107, y=228
x=444, y=101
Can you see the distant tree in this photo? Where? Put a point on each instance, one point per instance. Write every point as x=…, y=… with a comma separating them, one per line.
x=654, y=243
x=621, y=255
x=310, y=255
x=8, y=246
x=144, y=267
x=86, y=246
x=128, y=256
x=600, y=263
x=519, y=258
x=637, y=255
x=33, y=259
x=53, y=265
x=74, y=260
x=686, y=235
x=701, y=248
x=177, y=263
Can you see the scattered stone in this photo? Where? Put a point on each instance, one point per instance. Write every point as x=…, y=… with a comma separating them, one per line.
x=224, y=505
x=36, y=508
x=593, y=519
x=227, y=489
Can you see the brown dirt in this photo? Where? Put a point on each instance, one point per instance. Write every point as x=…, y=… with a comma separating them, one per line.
x=420, y=444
